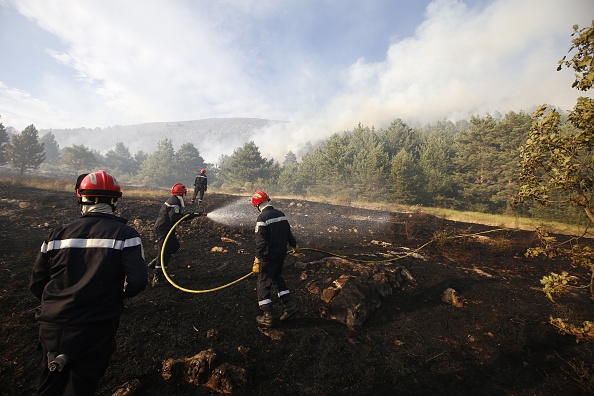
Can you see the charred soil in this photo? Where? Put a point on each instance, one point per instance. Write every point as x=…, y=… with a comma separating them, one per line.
x=492, y=339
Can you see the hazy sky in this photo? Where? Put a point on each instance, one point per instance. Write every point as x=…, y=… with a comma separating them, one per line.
x=327, y=64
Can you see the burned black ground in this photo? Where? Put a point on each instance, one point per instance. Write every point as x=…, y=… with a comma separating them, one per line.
x=498, y=342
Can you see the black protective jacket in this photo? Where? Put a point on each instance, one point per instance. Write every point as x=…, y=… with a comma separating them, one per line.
x=273, y=233
x=80, y=272
x=169, y=214
x=201, y=182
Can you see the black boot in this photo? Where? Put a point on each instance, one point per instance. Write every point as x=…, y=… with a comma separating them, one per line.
x=265, y=319
x=290, y=309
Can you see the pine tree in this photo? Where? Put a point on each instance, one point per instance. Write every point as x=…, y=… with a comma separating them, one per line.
x=25, y=151
x=246, y=168
x=51, y=147
x=436, y=162
x=4, y=143
x=78, y=158
x=120, y=160
x=159, y=168
x=189, y=162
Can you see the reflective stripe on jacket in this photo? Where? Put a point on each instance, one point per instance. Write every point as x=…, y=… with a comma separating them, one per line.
x=169, y=214
x=80, y=271
x=273, y=233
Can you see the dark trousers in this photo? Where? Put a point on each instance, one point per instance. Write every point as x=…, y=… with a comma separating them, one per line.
x=89, y=349
x=199, y=190
x=270, y=274
x=171, y=247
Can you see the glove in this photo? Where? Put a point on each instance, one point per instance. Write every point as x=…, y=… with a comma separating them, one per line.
x=296, y=249
x=190, y=216
x=256, y=266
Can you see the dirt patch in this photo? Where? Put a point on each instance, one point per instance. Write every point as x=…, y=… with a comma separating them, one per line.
x=471, y=320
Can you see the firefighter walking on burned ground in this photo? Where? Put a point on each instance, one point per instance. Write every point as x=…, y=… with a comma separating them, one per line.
x=81, y=276
x=272, y=235
x=170, y=213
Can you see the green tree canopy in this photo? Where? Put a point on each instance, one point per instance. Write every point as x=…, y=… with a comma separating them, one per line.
x=557, y=160
x=404, y=177
x=290, y=158
x=159, y=168
x=557, y=163
x=400, y=136
x=139, y=158
x=51, y=147
x=246, y=168
x=367, y=164
x=287, y=181
x=485, y=158
x=25, y=150
x=322, y=172
x=78, y=158
x=4, y=142
x=120, y=160
x=189, y=163
x=436, y=161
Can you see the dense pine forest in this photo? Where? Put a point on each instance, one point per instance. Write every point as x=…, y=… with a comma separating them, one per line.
x=468, y=165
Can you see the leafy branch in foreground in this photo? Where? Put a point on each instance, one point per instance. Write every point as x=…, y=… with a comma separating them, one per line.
x=556, y=285
x=584, y=332
x=557, y=167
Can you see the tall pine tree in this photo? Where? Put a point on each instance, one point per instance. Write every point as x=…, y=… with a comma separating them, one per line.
x=25, y=151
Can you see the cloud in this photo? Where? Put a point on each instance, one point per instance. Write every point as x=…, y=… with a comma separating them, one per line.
x=148, y=60
x=324, y=67
x=16, y=105
x=464, y=61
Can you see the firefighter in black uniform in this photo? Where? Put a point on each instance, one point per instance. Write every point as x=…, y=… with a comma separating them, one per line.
x=200, y=185
x=273, y=233
x=81, y=275
x=170, y=213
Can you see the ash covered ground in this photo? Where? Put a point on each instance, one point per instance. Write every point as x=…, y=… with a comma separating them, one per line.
x=491, y=337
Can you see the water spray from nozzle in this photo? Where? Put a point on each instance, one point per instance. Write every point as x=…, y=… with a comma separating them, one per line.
x=237, y=213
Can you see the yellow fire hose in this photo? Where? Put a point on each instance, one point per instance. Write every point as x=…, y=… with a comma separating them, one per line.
x=183, y=288
x=300, y=249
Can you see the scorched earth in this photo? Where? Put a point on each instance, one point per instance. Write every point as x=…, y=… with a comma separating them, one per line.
x=386, y=307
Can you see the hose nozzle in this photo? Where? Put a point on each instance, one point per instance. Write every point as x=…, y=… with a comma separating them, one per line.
x=57, y=362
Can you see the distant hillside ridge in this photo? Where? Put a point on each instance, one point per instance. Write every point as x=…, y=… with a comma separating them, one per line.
x=212, y=136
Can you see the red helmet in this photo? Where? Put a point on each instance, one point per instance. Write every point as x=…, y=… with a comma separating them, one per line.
x=202, y=170
x=259, y=197
x=98, y=184
x=179, y=189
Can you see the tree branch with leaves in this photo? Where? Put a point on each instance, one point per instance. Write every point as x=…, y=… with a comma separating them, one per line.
x=557, y=166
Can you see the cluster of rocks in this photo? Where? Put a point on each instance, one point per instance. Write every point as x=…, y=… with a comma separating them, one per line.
x=202, y=369
x=352, y=291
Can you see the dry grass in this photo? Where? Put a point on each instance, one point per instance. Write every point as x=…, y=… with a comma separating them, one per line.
x=513, y=222
x=37, y=182
x=503, y=221
x=521, y=223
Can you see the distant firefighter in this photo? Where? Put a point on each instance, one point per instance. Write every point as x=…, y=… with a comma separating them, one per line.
x=200, y=185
